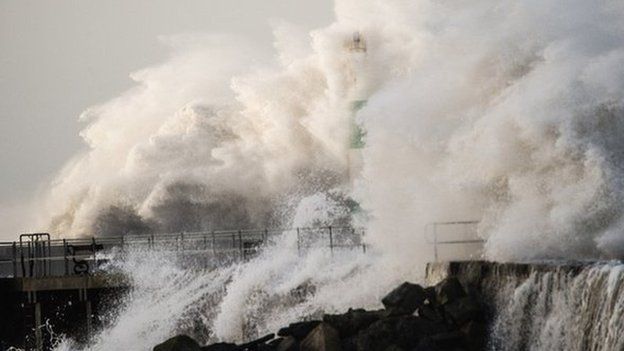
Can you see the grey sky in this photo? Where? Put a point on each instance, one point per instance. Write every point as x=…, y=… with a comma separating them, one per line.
x=59, y=57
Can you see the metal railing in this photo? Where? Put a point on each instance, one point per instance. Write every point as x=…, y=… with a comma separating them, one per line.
x=37, y=255
x=447, y=234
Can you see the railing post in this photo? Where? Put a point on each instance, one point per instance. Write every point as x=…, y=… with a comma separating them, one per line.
x=205, y=251
x=214, y=241
x=14, y=259
x=40, y=269
x=363, y=242
x=49, y=257
x=65, y=256
x=240, y=244
x=31, y=265
x=298, y=241
x=331, y=240
x=23, y=263
x=93, y=249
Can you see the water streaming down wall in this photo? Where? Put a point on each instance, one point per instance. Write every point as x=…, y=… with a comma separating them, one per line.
x=576, y=306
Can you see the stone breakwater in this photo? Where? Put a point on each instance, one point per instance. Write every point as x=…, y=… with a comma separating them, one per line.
x=446, y=316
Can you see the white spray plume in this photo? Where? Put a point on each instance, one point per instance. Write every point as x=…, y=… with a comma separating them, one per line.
x=509, y=113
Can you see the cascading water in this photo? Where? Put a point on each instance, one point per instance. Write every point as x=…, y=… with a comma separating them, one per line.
x=580, y=310
x=547, y=306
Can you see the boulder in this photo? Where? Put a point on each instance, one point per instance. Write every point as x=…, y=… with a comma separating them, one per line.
x=475, y=335
x=394, y=348
x=404, y=331
x=448, y=340
x=448, y=290
x=178, y=343
x=462, y=310
x=430, y=313
x=350, y=323
x=254, y=345
x=425, y=344
x=298, y=330
x=289, y=343
x=378, y=336
x=220, y=346
x=430, y=295
x=405, y=299
x=349, y=344
x=323, y=338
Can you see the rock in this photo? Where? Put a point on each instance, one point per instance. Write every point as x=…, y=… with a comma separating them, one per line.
x=449, y=318
x=323, y=338
x=220, y=346
x=475, y=334
x=265, y=347
x=405, y=299
x=378, y=336
x=426, y=344
x=404, y=331
x=299, y=330
x=253, y=345
x=393, y=348
x=430, y=295
x=462, y=310
x=178, y=343
x=430, y=313
x=350, y=323
x=289, y=343
x=275, y=341
x=448, y=290
x=349, y=344
x=448, y=340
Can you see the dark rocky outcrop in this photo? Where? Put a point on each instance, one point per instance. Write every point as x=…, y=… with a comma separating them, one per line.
x=323, y=338
x=178, y=343
x=350, y=323
x=221, y=346
x=288, y=343
x=444, y=317
x=405, y=299
x=298, y=330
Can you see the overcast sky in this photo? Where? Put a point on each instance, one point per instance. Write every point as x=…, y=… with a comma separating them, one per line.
x=59, y=57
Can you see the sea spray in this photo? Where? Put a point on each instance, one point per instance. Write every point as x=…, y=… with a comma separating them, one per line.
x=510, y=114
x=236, y=302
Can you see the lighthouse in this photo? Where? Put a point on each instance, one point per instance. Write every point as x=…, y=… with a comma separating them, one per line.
x=357, y=52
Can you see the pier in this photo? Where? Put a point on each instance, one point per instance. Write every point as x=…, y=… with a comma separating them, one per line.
x=53, y=286
x=59, y=286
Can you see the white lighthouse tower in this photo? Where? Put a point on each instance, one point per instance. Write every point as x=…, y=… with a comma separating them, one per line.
x=357, y=52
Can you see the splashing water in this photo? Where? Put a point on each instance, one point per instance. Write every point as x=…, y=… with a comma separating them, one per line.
x=233, y=303
x=505, y=113
x=510, y=113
